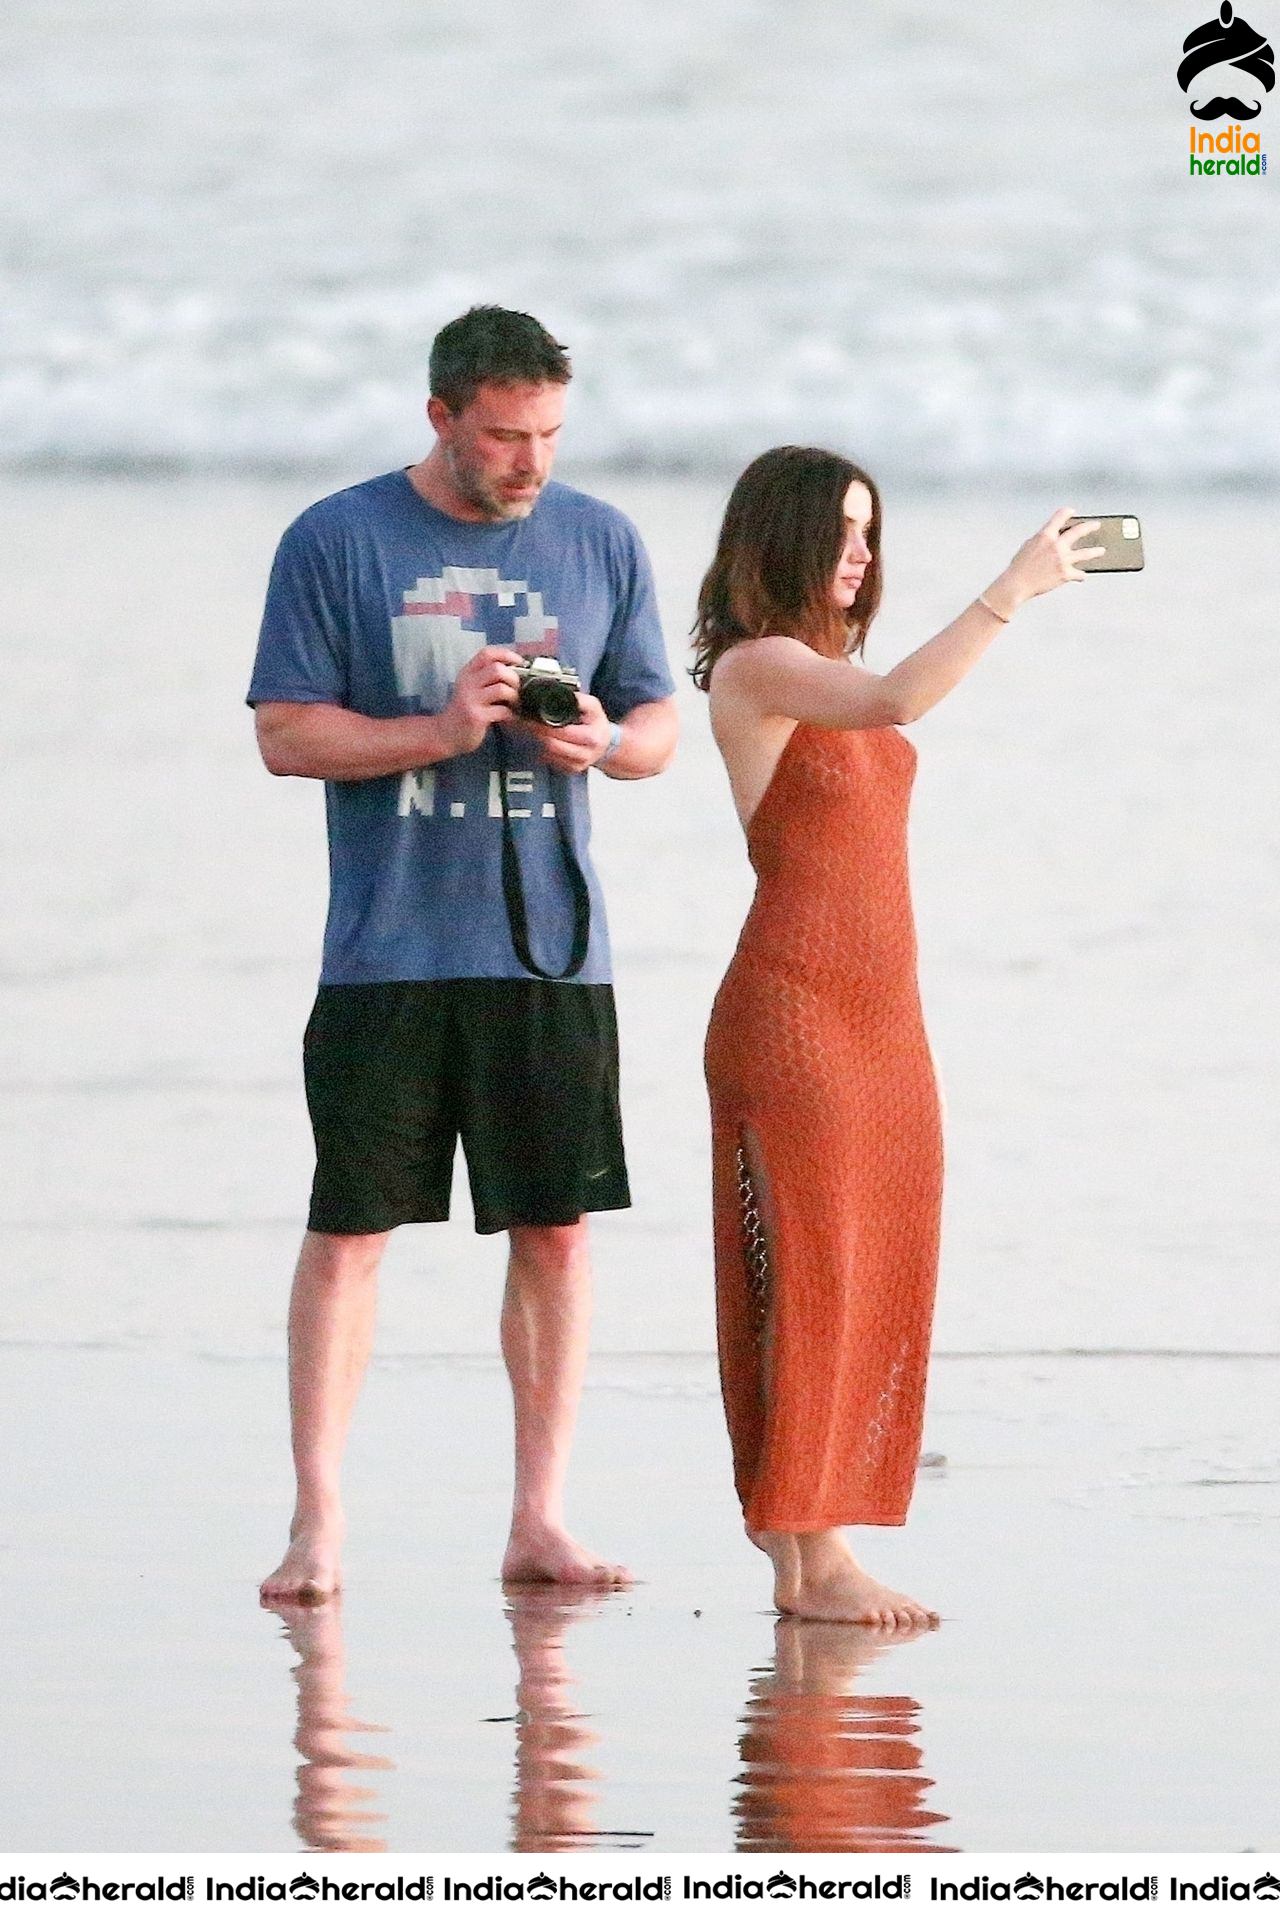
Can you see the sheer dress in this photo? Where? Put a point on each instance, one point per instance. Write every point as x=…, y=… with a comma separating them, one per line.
x=827, y=1146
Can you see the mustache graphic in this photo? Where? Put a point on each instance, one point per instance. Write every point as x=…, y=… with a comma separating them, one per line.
x=1227, y=41
x=1213, y=109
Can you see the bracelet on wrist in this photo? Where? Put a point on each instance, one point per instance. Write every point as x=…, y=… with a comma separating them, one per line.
x=615, y=741
x=981, y=600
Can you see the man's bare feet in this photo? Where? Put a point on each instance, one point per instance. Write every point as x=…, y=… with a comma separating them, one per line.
x=785, y=1555
x=537, y=1551
x=311, y=1570
x=832, y=1586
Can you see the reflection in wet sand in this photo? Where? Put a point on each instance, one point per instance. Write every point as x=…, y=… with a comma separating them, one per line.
x=555, y=1797
x=330, y=1813
x=825, y=1769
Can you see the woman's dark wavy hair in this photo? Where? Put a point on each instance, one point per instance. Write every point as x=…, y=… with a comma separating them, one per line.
x=779, y=546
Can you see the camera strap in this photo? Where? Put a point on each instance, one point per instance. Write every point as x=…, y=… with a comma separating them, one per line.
x=513, y=884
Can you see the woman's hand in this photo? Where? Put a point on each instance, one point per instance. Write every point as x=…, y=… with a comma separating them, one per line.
x=1049, y=559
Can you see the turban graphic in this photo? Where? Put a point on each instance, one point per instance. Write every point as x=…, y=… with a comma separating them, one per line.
x=1229, y=41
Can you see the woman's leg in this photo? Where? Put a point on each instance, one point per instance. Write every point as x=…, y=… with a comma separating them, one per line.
x=755, y=1224
x=816, y=1576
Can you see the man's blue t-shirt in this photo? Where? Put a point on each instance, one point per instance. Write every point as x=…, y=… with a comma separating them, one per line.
x=376, y=600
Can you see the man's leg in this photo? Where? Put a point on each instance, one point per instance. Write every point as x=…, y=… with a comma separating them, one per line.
x=331, y=1313
x=546, y=1315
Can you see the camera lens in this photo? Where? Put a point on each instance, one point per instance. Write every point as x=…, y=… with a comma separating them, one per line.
x=554, y=705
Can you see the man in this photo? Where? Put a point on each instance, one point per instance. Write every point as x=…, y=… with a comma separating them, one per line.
x=465, y=982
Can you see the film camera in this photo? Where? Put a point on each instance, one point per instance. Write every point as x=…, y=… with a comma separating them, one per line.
x=548, y=692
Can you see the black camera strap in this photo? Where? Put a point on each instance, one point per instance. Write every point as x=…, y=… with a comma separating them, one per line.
x=513, y=885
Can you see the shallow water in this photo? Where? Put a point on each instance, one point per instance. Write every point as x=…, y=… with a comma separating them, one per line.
x=1100, y=1545
x=1094, y=850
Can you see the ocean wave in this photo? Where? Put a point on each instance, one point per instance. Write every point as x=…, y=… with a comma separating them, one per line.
x=958, y=396
x=919, y=236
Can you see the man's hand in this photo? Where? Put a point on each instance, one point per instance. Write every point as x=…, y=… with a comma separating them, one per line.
x=484, y=691
x=574, y=749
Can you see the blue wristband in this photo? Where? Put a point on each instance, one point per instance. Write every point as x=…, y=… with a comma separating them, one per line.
x=615, y=741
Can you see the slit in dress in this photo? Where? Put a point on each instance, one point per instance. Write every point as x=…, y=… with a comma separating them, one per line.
x=757, y=1265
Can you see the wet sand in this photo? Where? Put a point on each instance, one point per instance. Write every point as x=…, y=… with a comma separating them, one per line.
x=1093, y=851
x=1101, y=1545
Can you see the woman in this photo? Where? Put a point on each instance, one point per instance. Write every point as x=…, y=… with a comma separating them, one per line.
x=826, y=1136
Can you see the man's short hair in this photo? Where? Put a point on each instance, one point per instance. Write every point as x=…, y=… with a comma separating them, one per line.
x=493, y=344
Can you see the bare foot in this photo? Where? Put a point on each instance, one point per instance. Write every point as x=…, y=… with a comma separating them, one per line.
x=785, y=1555
x=546, y=1554
x=833, y=1586
x=311, y=1570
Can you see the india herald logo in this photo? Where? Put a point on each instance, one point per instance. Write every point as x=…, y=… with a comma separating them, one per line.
x=1220, y=59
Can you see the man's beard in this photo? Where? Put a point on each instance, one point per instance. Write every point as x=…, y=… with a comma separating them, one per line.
x=485, y=496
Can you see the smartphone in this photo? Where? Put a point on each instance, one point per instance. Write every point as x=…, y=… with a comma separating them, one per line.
x=1121, y=535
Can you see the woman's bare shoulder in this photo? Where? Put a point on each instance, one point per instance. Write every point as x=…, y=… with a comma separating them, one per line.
x=741, y=666
x=779, y=677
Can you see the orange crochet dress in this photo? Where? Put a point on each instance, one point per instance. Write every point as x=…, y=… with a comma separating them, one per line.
x=827, y=1149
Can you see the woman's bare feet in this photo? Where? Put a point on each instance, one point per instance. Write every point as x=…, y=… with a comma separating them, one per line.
x=832, y=1586
x=311, y=1570
x=537, y=1551
x=785, y=1555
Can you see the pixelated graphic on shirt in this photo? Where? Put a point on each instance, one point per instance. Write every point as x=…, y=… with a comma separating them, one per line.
x=431, y=640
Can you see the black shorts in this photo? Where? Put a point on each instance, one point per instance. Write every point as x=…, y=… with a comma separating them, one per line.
x=526, y=1071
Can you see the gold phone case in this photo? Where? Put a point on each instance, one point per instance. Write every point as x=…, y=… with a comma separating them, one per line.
x=1121, y=535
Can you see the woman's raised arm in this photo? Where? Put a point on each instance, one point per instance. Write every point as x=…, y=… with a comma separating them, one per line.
x=781, y=676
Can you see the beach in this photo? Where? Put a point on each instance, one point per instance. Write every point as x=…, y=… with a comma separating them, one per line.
x=1099, y=1546
x=1093, y=844
x=961, y=246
